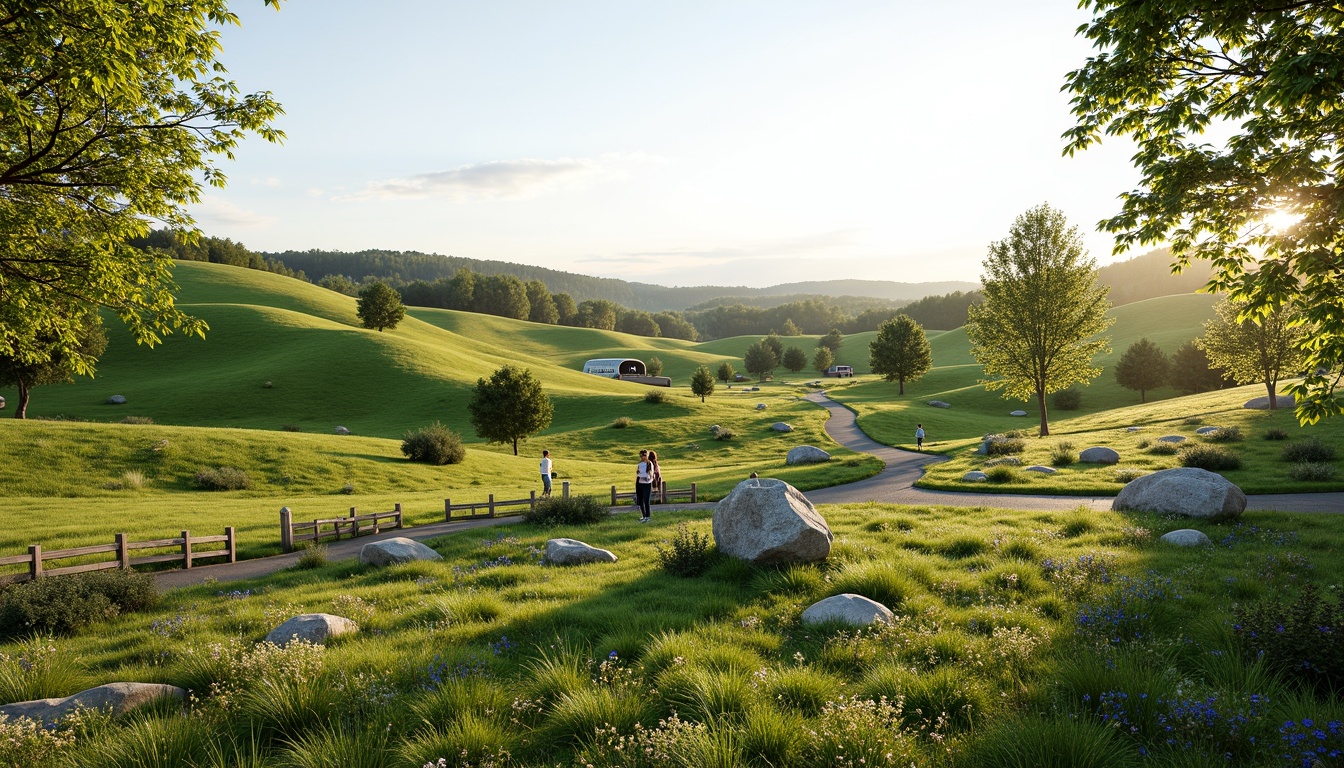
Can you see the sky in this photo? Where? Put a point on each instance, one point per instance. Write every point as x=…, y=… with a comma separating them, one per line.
x=678, y=143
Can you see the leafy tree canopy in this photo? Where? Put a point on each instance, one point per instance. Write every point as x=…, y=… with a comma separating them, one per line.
x=795, y=359
x=822, y=360
x=509, y=406
x=50, y=359
x=1252, y=349
x=379, y=306
x=900, y=351
x=726, y=372
x=1192, y=371
x=702, y=382
x=760, y=359
x=1143, y=367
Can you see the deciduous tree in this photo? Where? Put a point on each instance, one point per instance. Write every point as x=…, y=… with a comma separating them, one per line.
x=1143, y=367
x=501, y=295
x=1192, y=371
x=776, y=345
x=71, y=347
x=900, y=351
x=702, y=382
x=540, y=306
x=509, y=406
x=1237, y=111
x=760, y=359
x=1038, y=327
x=654, y=366
x=1254, y=350
x=832, y=341
x=794, y=360
x=822, y=360
x=726, y=372
x=379, y=306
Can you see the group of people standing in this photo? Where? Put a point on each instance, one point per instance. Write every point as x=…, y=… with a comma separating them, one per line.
x=647, y=477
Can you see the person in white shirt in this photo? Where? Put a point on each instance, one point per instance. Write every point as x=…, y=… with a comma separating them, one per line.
x=546, y=473
x=644, y=486
x=919, y=436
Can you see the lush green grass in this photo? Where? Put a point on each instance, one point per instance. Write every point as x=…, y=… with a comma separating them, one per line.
x=1016, y=632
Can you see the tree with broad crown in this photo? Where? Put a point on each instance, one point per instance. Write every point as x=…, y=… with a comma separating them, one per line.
x=1254, y=350
x=509, y=407
x=379, y=306
x=1035, y=332
x=501, y=295
x=52, y=360
x=832, y=341
x=1143, y=367
x=702, y=383
x=900, y=351
x=760, y=359
x=564, y=305
x=114, y=113
x=1270, y=78
x=822, y=360
x=1192, y=371
x=726, y=372
x=776, y=346
x=541, y=307
x=794, y=359
x=790, y=328
x=654, y=366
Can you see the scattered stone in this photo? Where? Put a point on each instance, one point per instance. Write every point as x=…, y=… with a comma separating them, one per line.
x=1185, y=491
x=768, y=521
x=1041, y=468
x=939, y=404
x=1132, y=429
x=118, y=698
x=983, y=450
x=574, y=552
x=1186, y=537
x=806, y=454
x=1280, y=401
x=851, y=609
x=760, y=406
x=975, y=476
x=1171, y=439
x=1206, y=430
x=342, y=430
x=315, y=628
x=395, y=550
x=1099, y=455
x=1018, y=413
x=716, y=429
x=116, y=400
x=780, y=426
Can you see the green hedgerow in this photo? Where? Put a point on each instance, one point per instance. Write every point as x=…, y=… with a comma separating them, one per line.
x=1311, y=449
x=222, y=479
x=61, y=604
x=622, y=422
x=1211, y=457
x=567, y=510
x=434, y=444
x=1311, y=471
x=687, y=554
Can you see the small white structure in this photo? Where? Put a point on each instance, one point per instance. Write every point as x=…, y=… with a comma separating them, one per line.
x=625, y=369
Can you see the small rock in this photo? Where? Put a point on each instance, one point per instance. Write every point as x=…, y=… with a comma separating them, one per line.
x=768, y=521
x=851, y=609
x=1185, y=491
x=780, y=426
x=1262, y=403
x=716, y=429
x=119, y=698
x=395, y=550
x=760, y=406
x=1099, y=455
x=975, y=476
x=1206, y=430
x=1041, y=468
x=806, y=454
x=1018, y=413
x=1186, y=537
x=116, y=400
x=1171, y=439
x=315, y=628
x=939, y=404
x=342, y=430
x=1132, y=429
x=573, y=552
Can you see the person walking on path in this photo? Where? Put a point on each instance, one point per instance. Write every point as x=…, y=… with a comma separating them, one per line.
x=545, y=474
x=656, y=476
x=644, y=486
x=919, y=437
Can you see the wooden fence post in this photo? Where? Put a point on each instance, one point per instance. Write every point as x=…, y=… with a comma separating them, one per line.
x=692, y=493
x=564, y=489
x=186, y=549
x=123, y=552
x=397, y=508
x=533, y=504
x=286, y=529
x=613, y=495
x=35, y=567
x=354, y=526
x=492, y=505
x=448, y=510
x=232, y=544
x=662, y=492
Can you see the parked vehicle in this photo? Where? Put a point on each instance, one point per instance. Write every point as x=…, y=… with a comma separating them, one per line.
x=840, y=371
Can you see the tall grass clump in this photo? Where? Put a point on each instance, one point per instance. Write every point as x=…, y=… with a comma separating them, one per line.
x=1036, y=742
x=1003, y=473
x=63, y=604
x=137, y=420
x=1063, y=454
x=1211, y=457
x=39, y=669
x=328, y=746
x=434, y=444
x=1311, y=449
x=687, y=553
x=621, y=422
x=567, y=510
x=155, y=742
x=222, y=479
x=1311, y=471
x=857, y=731
x=1224, y=435
x=1164, y=449
x=314, y=556
x=876, y=581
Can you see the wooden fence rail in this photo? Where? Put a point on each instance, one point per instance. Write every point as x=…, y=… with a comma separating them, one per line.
x=352, y=526
x=37, y=558
x=661, y=495
x=488, y=508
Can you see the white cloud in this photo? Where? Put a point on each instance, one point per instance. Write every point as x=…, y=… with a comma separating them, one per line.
x=506, y=179
x=213, y=210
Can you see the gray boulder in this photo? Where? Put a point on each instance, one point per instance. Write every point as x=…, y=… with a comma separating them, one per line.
x=1099, y=455
x=716, y=429
x=780, y=426
x=395, y=550
x=116, y=400
x=1133, y=429
x=975, y=476
x=1171, y=439
x=760, y=406
x=315, y=628
x=1018, y=413
x=1207, y=430
x=1185, y=491
x=1280, y=401
x=851, y=609
x=939, y=404
x=1186, y=537
x=806, y=454
x=769, y=521
x=573, y=552
x=983, y=450
x=342, y=430
x=1042, y=469
x=116, y=698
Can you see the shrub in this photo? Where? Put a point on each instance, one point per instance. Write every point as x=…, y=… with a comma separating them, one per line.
x=571, y=510
x=1011, y=461
x=137, y=420
x=222, y=479
x=60, y=604
x=1276, y=433
x=1224, y=435
x=1062, y=455
x=1304, y=640
x=657, y=397
x=1003, y=474
x=1143, y=443
x=1164, y=449
x=314, y=556
x=724, y=434
x=1005, y=445
x=1311, y=470
x=1192, y=421
x=1070, y=399
x=1311, y=449
x=622, y=422
x=1126, y=475
x=292, y=428
x=348, y=489
x=687, y=554
x=1211, y=457
x=434, y=444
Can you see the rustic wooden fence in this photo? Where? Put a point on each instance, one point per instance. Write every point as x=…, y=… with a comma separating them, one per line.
x=316, y=530
x=488, y=509
x=186, y=553
x=661, y=495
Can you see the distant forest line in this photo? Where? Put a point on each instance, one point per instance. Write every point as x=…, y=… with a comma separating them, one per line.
x=706, y=312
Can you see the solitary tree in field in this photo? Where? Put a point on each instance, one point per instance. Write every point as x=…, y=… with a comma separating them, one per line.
x=1251, y=350
x=726, y=372
x=1036, y=330
x=509, y=406
x=822, y=360
x=702, y=383
x=1192, y=371
x=379, y=306
x=1143, y=367
x=760, y=360
x=654, y=366
x=794, y=359
x=900, y=351
x=49, y=359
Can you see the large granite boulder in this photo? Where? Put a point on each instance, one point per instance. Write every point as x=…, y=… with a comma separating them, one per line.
x=1185, y=491
x=939, y=404
x=115, y=698
x=806, y=454
x=780, y=426
x=851, y=609
x=315, y=628
x=1172, y=439
x=1018, y=413
x=769, y=521
x=573, y=552
x=341, y=430
x=1099, y=454
x=116, y=400
x=395, y=550
x=1186, y=537
x=1044, y=470
x=1262, y=403
x=1207, y=430
x=975, y=476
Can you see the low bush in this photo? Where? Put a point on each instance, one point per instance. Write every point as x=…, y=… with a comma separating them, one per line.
x=62, y=604
x=1211, y=457
x=314, y=556
x=1311, y=449
x=292, y=428
x=724, y=434
x=1126, y=475
x=1164, y=449
x=1303, y=640
x=571, y=510
x=137, y=420
x=657, y=397
x=1143, y=443
x=1062, y=455
x=622, y=422
x=1004, y=445
x=687, y=553
x=1276, y=433
x=1070, y=399
x=1311, y=471
x=1192, y=421
x=1224, y=435
x=222, y=479
x=434, y=444
x=1003, y=474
